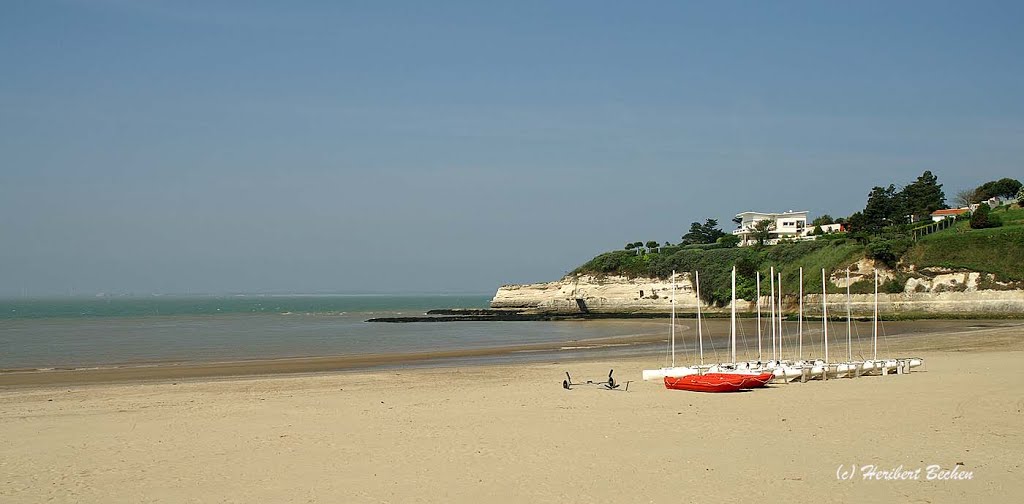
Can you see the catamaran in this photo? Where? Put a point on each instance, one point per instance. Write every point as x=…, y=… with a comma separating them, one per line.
x=719, y=377
x=876, y=366
x=873, y=366
x=673, y=370
x=819, y=368
x=784, y=370
x=850, y=367
x=757, y=375
x=712, y=382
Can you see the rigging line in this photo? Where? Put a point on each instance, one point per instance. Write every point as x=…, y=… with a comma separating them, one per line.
x=743, y=338
x=856, y=344
x=714, y=349
x=668, y=353
x=885, y=340
x=862, y=345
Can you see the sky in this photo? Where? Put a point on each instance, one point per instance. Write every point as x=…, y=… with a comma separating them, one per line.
x=439, y=147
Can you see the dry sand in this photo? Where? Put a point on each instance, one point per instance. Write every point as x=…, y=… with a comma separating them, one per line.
x=512, y=434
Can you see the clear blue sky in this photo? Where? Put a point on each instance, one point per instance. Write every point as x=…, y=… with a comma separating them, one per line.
x=210, y=146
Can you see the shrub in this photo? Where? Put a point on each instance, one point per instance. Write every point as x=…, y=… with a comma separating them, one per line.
x=888, y=251
x=729, y=241
x=893, y=285
x=982, y=218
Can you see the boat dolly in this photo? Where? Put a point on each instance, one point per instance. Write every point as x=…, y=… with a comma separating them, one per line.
x=609, y=384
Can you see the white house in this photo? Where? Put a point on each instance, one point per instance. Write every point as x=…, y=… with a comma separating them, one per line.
x=940, y=215
x=785, y=225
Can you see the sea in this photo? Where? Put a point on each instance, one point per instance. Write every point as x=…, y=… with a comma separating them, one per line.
x=112, y=331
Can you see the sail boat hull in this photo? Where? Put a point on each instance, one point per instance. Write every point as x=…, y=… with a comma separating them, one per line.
x=757, y=381
x=752, y=377
x=669, y=372
x=711, y=382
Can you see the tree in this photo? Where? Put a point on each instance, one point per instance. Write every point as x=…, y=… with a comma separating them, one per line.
x=630, y=246
x=885, y=208
x=856, y=222
x=966, y=198
x=763, y=230
x=923, y=196
x=703, y=233
x=889, y=250
x=728, y=241
x=982, y=218
x=823, y=220
x=1020, y=196
x=651, y=245
x=1002, y=188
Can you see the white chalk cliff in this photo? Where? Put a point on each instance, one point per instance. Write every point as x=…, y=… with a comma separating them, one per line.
x=934, y=292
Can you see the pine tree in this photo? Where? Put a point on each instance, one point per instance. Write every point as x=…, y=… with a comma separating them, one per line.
x=885, y=207
x=924, y=196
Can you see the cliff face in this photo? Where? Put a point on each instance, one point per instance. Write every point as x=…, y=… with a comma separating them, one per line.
x=942, y=293
x=607, y=294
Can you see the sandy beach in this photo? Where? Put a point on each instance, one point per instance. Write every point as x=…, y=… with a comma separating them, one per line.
x=512, y=434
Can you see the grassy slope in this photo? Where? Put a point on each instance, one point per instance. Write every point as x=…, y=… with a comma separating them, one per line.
x=812, y=257
x=997, y=250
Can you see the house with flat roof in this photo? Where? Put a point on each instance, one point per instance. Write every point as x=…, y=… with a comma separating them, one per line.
x=788, y=225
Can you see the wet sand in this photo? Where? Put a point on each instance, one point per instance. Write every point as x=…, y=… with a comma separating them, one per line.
x=511, y=434
x=648, y=335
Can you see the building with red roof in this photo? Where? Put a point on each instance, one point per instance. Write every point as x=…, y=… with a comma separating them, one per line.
x=939, y=215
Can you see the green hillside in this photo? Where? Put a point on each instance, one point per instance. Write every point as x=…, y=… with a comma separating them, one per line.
x=998, y=251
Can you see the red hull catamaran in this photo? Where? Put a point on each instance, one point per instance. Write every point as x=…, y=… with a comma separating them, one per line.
x=711, y=382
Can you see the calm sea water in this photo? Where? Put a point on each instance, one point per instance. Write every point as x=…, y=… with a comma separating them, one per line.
x=104, y=331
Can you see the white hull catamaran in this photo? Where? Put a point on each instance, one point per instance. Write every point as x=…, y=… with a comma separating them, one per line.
x=873, y=366
x=820, y=367
x=673, y=370
x=850, y=367
x=878, y=366
x=784, y=370
x=813, y=369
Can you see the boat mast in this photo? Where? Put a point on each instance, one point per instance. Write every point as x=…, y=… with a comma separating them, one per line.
x=801, y=318
x=733, y=325
x=874, y=329
x=759, y=316
x=824, y=314
x=780, y=315
x=772, y=309
x=849, y=324
x=673, y=318
x=700, y=335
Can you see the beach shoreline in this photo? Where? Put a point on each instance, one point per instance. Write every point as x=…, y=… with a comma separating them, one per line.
x=941, y=334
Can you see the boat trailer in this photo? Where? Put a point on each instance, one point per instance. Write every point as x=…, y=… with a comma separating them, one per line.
x=609, y=384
